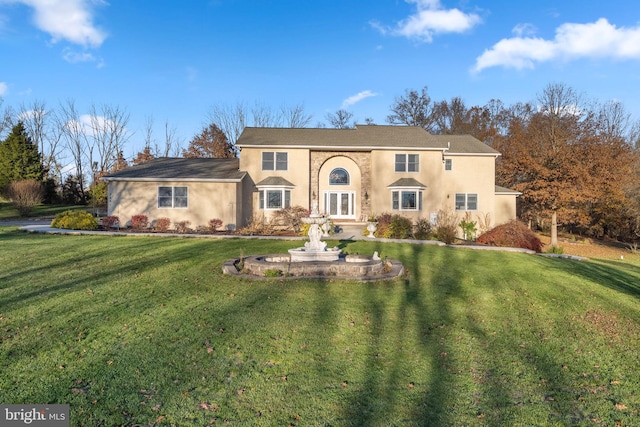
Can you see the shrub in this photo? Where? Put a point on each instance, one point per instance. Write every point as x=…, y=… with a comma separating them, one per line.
x=75, y=220
x=384, y=225
x=162, y=224
x=400, y=227
x=446, y=226
x=98, y=193
x=183, y=226
x=558, y=250
x=258, y=226
x=110, y=221
x=139, y=222
x=422, y=229
x=25, y=195
x=468, y=228
x=289, y=218
x=513, y=234
x=215, y=224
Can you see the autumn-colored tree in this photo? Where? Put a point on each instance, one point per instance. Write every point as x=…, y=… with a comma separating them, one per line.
x=143, y=156
x=570, y=166
x=210, y=143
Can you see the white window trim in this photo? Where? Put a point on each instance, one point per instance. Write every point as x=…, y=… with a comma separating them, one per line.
x=406, y=162
x=466, y=202
x=419, y=194
x=340, y=183
x=262, y=197
x=173, y=197
x=275, y=160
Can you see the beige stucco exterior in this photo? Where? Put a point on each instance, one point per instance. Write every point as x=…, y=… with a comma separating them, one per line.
x=206, y=201
x=349, y=173
x=371, y=173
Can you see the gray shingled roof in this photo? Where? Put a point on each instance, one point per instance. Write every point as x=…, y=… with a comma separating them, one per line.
x=407, y=182
x=362, y=137
x=505, y=190
x=276, y=181
x=179, y=169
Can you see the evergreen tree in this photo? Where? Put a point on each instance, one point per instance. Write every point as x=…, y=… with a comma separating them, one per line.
x=19, y=158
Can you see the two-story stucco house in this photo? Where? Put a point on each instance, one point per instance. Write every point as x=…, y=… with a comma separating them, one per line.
x=349, y=173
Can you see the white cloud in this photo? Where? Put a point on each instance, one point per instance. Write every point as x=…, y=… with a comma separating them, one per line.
x=4, y=88
x=70, y=20
x=357, y=98
x=74, y=57
x=599, y=39
x=430, y=19
x=525, y=29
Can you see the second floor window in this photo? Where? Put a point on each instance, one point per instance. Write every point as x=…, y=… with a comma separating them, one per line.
x=339, y=176
x=274, y=161
x=407, y=163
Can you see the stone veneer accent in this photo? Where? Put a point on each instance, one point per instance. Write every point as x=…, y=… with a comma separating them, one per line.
x=361, y=158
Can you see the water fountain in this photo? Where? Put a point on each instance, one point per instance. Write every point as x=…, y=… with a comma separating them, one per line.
x=315, y=249
x=315, y=260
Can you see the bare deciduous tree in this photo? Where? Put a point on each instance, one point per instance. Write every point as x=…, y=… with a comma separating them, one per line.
x=39, y=124
x=68, y=120
x=295, y=117
x=414, y=109
x=108, y=135
x=340, y=119
x=6, y=120
x=230, y=119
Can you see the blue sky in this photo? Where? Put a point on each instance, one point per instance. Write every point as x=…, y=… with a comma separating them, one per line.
x=176, y=60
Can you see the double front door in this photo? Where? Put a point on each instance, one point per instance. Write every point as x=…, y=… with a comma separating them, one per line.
x=340, y=204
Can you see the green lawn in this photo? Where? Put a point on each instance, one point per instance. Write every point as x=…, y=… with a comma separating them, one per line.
x=7, y=211
x=148, y=331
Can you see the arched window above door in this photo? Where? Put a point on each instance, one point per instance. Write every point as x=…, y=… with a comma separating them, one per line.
x=339, y=176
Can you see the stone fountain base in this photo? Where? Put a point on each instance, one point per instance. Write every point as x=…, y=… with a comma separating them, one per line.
x=304, y=255
x=358, y=267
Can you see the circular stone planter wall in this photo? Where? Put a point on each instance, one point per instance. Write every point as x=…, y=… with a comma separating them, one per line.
x=358, y=267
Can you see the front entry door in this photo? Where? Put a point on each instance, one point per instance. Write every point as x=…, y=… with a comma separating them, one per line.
x=340, y=204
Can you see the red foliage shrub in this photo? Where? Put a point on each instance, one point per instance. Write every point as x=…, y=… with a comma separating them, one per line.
x=162, y=224
x=139, y=222
x=512, y=234
x=215, y=224
x=110, y=221
x=183, y=226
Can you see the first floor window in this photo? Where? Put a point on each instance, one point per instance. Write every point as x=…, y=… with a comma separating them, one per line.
x=406, y=200
x=274, y=198
x=173, y=197
x=466, y=201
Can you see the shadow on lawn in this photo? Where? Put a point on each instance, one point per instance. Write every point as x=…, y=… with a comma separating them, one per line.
x=426, y=290
x=471, y=383
x=616, y=275
x=426, y=315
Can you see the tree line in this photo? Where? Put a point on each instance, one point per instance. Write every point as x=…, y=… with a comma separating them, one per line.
x=575, y=160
